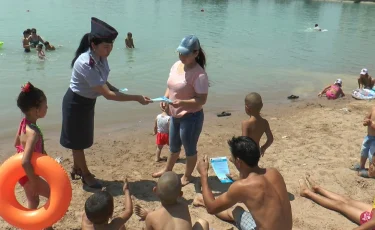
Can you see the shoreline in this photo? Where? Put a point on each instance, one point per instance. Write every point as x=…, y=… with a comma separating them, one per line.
x=310, y=136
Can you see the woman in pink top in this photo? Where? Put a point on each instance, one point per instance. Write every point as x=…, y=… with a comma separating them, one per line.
x=187, y=89
x=333, y=91
x=29, y=139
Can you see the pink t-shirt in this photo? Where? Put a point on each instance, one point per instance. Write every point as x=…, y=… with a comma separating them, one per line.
x=185, y=86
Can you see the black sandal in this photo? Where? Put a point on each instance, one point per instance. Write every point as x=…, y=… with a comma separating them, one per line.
x=223, y=114
x=76, y=174
x=97, y=185
x=293, y=97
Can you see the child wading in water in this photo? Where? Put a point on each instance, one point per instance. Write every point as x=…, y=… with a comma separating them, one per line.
x=161, y=130
x=29, y=138
x=41, y=54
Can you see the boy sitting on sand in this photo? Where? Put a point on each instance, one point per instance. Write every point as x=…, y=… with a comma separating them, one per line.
x=368, y=147
x=172, y=214
x=261, y=190
x=256, y=126
x=99, y=209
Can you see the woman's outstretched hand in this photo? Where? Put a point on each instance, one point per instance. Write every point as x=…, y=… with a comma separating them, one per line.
x=144, y=100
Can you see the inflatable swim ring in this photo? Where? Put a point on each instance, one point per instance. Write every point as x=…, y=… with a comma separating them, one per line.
x=60, y=192
x=1, y=44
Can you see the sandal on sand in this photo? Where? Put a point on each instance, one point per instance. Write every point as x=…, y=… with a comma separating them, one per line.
x=293, y=97
x=363, y=173
x=356, y=167
x=223, y=114
x=76, y=174
x=97, y=185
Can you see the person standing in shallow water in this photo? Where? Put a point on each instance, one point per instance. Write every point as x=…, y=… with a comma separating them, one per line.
x=188, y=89
x=89, y=80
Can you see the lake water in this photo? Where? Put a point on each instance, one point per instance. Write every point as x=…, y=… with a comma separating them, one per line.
x=253, y=45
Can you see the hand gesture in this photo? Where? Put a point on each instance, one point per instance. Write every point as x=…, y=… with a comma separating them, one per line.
x=203, y=166
x=367, y=122
x=176, y=103
x=232, y=177
x=144, y=100
x=126, y=185
x=163, y=106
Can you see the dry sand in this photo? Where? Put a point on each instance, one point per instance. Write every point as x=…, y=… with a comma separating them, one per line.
x=310, y=137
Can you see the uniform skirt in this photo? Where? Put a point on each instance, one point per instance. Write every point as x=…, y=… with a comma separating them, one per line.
x=77, y=130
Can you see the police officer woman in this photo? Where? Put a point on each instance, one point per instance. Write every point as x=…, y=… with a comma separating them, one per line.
x=88, y=81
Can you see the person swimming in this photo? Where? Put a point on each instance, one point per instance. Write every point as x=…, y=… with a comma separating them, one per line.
x=317, y=28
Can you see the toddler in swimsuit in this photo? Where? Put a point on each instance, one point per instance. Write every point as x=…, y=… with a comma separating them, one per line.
x=333, y=91
x=29, y=138
x=161, y=130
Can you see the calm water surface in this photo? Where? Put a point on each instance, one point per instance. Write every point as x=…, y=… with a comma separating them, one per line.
x=263, y=46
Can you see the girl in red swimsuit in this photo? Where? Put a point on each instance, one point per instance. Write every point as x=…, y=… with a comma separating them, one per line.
x=29, y=138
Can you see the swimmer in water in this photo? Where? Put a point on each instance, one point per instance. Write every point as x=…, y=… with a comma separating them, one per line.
x=48, y=46
x=129, y=41
x=25, y=41
x=317, y=28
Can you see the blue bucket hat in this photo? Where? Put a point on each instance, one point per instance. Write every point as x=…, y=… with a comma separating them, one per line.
x=188, y=45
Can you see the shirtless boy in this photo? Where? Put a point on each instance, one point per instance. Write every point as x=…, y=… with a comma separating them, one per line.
x=261, y=190
x=129, y=41
x=25, y=41
x=365, y=80
x=256, y=126
x=172, y=214
x=368, y=146
x=99, y=209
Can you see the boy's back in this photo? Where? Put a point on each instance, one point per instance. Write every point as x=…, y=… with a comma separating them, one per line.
x=171, y=217
x=255, y=127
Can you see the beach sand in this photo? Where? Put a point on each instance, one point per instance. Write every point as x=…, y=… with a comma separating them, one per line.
x=311, y=136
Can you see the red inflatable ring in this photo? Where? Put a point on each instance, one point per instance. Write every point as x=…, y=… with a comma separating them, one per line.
x=60, y=192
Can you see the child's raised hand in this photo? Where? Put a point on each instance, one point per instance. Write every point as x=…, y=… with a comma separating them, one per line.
x=367, y=122
x=126, y=186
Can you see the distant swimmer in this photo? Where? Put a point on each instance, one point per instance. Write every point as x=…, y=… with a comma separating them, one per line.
x=25, y=41
x=48, y=46
x=317, y=28
x=129, y=41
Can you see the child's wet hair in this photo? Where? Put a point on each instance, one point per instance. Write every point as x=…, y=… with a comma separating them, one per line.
x=245, y=149
x=46, y=43
x=130, y=34
x=40, y=46
x=30, y=97
x=254, y=101
x=99, y=207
